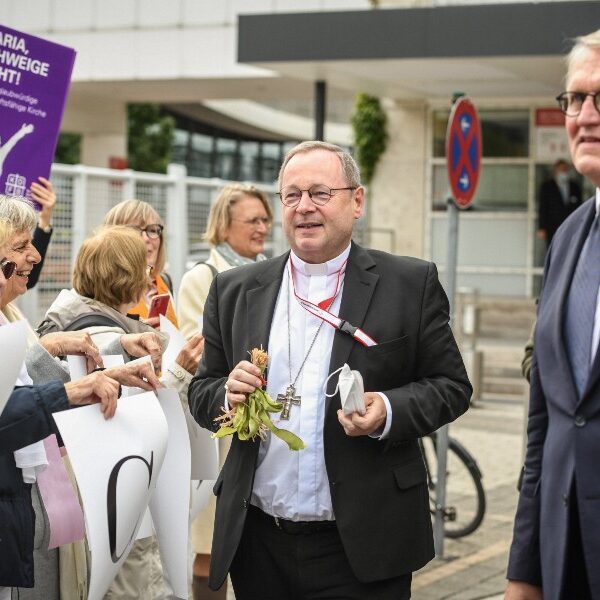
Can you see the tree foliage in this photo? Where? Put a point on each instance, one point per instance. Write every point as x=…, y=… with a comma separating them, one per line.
x=149, y=138
x=369, y=123
x=68, y=149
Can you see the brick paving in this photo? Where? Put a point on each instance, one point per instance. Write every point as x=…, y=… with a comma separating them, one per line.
x=473, y=568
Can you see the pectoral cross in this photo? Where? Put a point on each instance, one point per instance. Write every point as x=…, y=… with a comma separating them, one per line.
x=287, y=400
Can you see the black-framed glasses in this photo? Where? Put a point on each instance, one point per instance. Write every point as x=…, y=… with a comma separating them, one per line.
x=571, y=103
x=256, y=222
x=8, y=268
x=319, y=194
x=152, y=231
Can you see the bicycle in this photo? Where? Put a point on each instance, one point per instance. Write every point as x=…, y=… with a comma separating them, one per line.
x=465, y=497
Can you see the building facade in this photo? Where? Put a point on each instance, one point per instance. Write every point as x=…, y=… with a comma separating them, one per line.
x=239, y=77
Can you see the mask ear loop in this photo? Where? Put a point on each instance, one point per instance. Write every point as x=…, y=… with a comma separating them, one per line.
x=337, y=385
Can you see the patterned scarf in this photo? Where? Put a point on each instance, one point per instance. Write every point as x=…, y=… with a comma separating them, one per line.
x=233, y=258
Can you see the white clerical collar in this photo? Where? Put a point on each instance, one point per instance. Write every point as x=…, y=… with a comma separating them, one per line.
x=597, y=202
x=326, y=268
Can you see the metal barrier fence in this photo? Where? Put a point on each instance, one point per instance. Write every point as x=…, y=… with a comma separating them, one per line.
x=84, y=196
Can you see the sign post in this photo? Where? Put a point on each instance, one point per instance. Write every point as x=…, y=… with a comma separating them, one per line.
x=463, y=161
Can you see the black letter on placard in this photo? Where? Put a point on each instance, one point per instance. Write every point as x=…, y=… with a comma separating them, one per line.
x=111, y=503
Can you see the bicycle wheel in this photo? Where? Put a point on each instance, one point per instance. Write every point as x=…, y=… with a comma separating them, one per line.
x=465, y=498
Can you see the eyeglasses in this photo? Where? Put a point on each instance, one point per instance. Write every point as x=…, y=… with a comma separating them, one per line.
x=256, y=222
x=319, y=194
x=571, y=103
x=8, y=268
x=152, y=231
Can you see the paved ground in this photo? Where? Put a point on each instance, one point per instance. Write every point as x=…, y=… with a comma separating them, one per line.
x=474, y=567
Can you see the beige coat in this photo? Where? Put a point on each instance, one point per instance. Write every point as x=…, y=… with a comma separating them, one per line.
x=194, y=290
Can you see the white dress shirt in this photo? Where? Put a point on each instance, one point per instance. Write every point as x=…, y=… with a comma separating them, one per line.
x=287, y=484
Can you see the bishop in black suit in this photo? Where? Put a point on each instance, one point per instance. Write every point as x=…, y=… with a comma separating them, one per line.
x=349, y=515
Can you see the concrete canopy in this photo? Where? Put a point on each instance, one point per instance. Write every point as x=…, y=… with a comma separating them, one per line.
x=488, y=51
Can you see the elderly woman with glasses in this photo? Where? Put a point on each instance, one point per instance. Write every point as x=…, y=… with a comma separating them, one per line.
x=27, y=419
x=239, y=221
x=143, y=219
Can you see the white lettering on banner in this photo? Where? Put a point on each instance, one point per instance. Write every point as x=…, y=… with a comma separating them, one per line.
x=18, y=96
x=11, y=104
x=10, y=76
x=38, y=112
x=24, y=63
x=14, y=42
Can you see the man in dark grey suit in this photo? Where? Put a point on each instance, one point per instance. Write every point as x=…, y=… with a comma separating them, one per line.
x=348, y=516
x=556, y=544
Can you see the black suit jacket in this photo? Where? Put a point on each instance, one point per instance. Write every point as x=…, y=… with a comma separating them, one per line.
x=378, y=488
x=563, y=434
x=552, y=208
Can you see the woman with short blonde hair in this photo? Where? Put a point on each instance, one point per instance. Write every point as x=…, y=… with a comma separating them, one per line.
x=238, y=223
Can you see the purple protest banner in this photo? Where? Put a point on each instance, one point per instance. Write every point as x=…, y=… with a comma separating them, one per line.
x=34, y=80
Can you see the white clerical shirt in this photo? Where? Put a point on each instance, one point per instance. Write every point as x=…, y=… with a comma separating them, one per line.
x=287, y=484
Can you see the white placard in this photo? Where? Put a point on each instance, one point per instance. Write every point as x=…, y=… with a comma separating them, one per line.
x=201, y=494
x=77, y=366
x=205, y=457
x=112, y=360
x=13, y=341
x=116, y=463
x=170, y=503
x=176, y=343
x=146, y=528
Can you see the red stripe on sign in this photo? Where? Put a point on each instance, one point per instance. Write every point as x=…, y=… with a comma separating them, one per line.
x=549, y=117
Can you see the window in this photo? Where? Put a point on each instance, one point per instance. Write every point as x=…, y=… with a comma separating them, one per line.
x=505, y=133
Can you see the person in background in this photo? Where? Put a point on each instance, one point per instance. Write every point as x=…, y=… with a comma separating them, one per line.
x=141, y=217
x=348, y=516
x=43, y=194
x=238, y=224
x=558, y=197
x=556, y=535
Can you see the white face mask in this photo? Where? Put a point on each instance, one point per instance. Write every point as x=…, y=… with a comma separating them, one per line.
x=562, y=178
x=351, y=388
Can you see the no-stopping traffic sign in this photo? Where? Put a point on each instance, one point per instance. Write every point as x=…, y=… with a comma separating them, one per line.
x=463, y=151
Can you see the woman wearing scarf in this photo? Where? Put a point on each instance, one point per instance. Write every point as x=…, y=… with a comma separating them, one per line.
x=238, y=224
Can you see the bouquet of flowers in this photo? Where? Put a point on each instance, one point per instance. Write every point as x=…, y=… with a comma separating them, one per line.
x=251, y=418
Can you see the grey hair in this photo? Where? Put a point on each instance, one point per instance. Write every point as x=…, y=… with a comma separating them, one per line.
x=349, y=166
x=591, y=41
x=17, y=213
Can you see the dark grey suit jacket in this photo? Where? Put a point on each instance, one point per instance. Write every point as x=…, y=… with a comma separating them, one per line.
x=378, y=488
x=563, y=434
